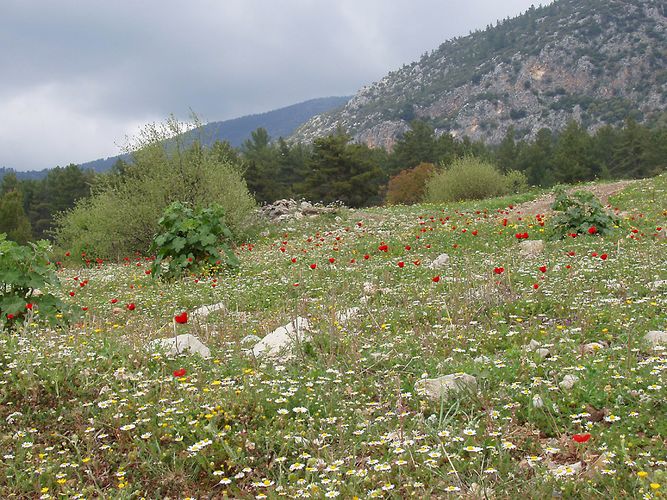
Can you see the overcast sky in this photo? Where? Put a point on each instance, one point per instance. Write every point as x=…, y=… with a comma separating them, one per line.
x=77, y=77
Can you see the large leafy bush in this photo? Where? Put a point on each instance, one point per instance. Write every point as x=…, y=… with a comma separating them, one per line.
x=190, y=239
x=580, y=213
x=25, y=274
x=122, y=215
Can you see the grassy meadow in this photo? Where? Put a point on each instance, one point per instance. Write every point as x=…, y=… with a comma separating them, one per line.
x=87, y=412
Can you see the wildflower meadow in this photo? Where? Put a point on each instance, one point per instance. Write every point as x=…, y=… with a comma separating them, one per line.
x=568, y=400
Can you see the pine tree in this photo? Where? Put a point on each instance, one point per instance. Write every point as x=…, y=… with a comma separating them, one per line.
x=13, y=220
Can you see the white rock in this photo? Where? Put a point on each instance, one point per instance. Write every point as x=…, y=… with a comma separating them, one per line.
x=533, y=345
x=543, y=352
x=250, y=339
x=441, y=261
x=531, y=248
x=592, y=347
x=568, y=382
x=347, y=315
x=446, y=386
x=181, y=344
x=203, y=311
x=281, y=340
x=656, y=338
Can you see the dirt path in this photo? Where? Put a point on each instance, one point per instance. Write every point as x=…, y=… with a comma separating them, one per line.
x=542, y=205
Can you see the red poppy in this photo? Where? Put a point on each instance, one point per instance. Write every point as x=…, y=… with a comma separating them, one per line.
x=383, y=248
x=499, y=270
x=72, y=294
x=604, y=256
x=581, y=438
x=331, y=260
x=366, y=257
x=313, y=266
x=180, y=372
x=131, y=306
x=536, y=286
x=543, y=269
x=408, y=247
x=28, y=306
x=113, y=301
x=10, y=317
x=293, y=259
x=182, y=318
x=435, y=279
x=401, y=264
x=592, y=230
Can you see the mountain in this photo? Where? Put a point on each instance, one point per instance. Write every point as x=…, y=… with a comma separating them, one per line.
x=278, y=123
x=594, y=61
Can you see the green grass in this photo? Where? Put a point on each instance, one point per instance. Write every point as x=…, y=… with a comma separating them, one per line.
x=86, y=411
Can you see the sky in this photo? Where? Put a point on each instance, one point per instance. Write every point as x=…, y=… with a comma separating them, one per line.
x=77, y=77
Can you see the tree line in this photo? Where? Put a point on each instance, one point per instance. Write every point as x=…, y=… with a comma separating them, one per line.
x=334, y=168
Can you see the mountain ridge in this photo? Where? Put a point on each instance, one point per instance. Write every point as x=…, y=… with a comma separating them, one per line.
x=280, y=122
x=594, y=61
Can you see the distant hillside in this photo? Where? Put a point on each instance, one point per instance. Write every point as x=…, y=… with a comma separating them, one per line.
x=279, y=123
x=595, y=61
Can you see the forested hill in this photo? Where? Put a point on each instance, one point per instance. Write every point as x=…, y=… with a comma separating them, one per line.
x=278, y=123
x=595, y=61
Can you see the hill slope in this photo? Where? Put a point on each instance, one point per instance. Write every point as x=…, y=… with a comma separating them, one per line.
x=596, y=61
x=279, y=123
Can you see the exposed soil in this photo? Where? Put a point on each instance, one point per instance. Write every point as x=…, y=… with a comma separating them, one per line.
x=542, y=205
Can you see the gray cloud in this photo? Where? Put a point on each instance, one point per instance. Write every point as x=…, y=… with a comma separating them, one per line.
x=80, y=75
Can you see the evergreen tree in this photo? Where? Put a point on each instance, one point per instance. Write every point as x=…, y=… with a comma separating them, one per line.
x=629, y=154
x=418, y=145
x=339, y=171
x=507, y=152
x=13, y=220
x=261, y=160
x=573, y=155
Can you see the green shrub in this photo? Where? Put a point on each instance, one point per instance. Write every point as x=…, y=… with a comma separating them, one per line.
x=23, y=271
x=466, y=178
x=516, y=182
x=122, y=215
x=580, y=213
x=191, y=239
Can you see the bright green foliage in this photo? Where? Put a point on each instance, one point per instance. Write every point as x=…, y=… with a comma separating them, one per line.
x=121, y=216
x=578, y=213
x=23, y=270
x=466, y=178
x=191, y=239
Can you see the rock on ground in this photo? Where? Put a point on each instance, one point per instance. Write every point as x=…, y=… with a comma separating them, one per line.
x=568, y=382
x=531, y=248
x=446, y=386
x=203, y=311
x=181, y=344
x=283, y=338
x=440, y=261
x=656, y=338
